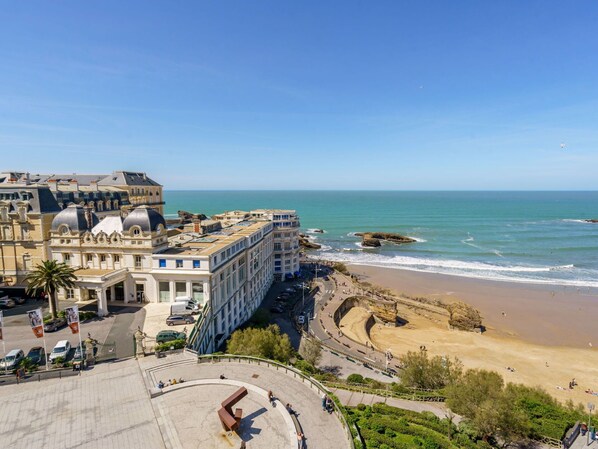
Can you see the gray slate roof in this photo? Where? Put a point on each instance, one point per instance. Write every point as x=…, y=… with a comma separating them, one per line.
x=74, y=217
x=146, y=218
x=40, y=198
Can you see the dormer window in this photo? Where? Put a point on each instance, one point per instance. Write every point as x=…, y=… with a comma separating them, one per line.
x=64, y=230
x=136, y=231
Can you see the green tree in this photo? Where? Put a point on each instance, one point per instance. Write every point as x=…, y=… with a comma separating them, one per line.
x=49, y=277
x=268, y=343
x=480, y=397
x=311, y=350
x=421, y=371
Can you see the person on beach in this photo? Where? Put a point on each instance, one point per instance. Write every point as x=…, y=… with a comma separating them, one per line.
x=324, y=401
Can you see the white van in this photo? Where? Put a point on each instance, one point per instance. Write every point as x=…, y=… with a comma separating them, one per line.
x=184, y=307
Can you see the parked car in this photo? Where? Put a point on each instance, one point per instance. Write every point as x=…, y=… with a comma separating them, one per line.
x=37, y=355
x=166, y=336
x=301, y=320
x=12, y=360
x=6, y=303
x=276, y=309
x=289, y=290
x=173, y=320
x=61, y=349
x=54, y=325
x=20, y=300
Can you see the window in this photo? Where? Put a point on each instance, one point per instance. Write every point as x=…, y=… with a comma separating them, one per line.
x=70, y=293
x=164, y=288
x=116, y=258
x=180, y=288
x=162, y=263
x=197, y=291
x=102, y=257
x=196, y=263
x=138, y=261
x=89, y=258
x=179, y=264
x=66, y=258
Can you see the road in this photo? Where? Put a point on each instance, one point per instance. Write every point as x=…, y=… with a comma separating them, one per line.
x=332, y=360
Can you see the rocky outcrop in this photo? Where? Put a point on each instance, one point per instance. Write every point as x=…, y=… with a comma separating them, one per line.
x=375, y=239
x=304, y=242
x=464, y=317
x=184, y=217
x=188, y=216
x=319, y=231
x=591, y=220
x=371, y=242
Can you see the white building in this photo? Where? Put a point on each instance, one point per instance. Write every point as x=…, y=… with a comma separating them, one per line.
x=286, y=240
x=228, y=272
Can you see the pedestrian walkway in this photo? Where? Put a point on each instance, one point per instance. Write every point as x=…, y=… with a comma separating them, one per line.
x=353, y=398
x=321, y=430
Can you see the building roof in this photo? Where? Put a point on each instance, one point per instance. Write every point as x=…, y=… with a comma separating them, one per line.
x=39, y=198
x=194, y=244
x=108, y=225
x=117, y=178
x=146, y=218
x=128, y=178
x=76, y=218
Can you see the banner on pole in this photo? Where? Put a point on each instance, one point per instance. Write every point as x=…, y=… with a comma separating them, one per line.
x=36, y=320
x=72, y=318
x=1, y=324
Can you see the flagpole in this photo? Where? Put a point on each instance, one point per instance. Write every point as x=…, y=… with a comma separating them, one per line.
x=80, y=348
x=46, y=352
x=4, y=355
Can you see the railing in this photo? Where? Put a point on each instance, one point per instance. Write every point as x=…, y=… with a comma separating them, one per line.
x=289, y=370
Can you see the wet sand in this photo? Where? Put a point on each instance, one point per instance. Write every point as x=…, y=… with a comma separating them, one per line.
x=540, y=314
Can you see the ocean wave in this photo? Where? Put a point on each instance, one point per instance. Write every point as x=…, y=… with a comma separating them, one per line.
x=313, y=231
x=478, y=270
x=352, y=234
x=575, y=220
x=417, y=239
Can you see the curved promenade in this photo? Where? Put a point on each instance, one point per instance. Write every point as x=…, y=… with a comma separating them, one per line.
x=321, y=429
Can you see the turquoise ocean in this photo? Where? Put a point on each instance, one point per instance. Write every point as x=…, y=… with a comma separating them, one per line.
x=535, y=237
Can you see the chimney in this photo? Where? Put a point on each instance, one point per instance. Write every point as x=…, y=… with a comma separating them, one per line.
x=73, y=185
x=88, y=217
x=94, y=186
x=53, y=185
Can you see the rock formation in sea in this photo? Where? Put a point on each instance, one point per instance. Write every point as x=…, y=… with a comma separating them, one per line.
x=592, y=220
x=306, y=243
x=374, y=239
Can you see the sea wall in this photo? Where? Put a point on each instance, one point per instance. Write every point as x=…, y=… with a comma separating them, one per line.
x=380, y=310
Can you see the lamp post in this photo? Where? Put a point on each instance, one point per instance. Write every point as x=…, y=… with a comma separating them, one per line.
x=590, y=408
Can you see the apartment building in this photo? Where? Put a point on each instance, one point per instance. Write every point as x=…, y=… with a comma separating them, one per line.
x=286, y=240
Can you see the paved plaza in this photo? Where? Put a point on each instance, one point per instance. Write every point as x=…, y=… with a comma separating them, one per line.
x=110, y=406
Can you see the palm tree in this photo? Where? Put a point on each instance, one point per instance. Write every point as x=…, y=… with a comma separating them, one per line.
x=49, y=277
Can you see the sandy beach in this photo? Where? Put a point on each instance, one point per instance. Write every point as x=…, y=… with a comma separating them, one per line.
x=543, y=337
x=542, y=314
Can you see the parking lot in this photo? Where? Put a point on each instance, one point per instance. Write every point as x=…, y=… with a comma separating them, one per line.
x=116, y=329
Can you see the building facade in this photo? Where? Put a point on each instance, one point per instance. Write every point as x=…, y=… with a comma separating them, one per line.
x=29, y=203
x=26, y=214
x=227, y=272
x=286, y=240
x=104, y=194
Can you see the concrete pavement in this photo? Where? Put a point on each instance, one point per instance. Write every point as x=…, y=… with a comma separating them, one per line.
x=321, y=430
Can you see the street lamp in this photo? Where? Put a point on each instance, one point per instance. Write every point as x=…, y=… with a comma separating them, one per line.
x=590, y=408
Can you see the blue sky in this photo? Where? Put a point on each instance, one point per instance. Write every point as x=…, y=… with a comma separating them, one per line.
x=286, y=95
